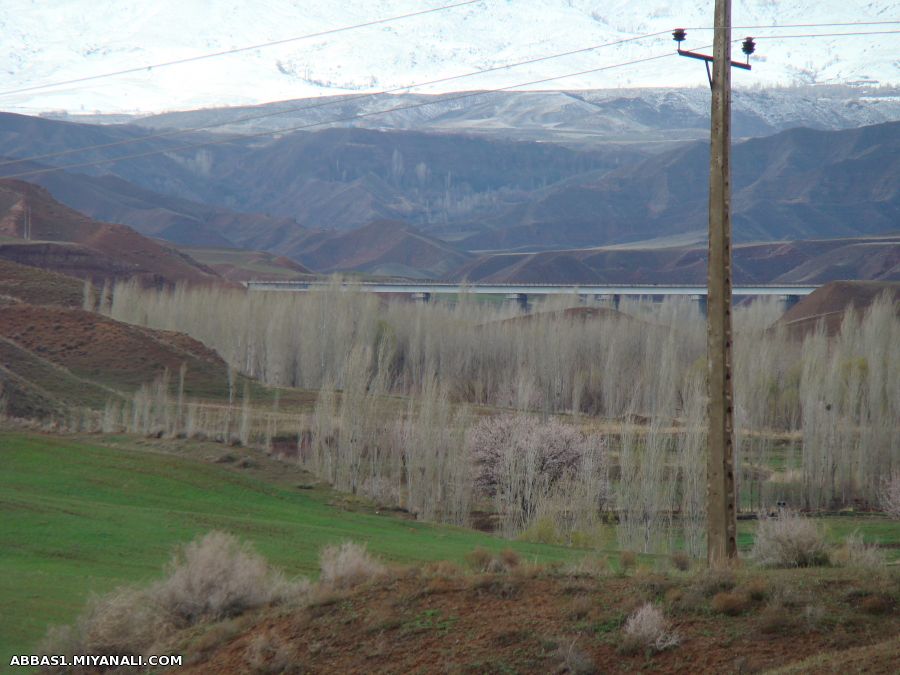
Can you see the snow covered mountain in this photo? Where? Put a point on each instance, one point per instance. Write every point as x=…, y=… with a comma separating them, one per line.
x=58, y=40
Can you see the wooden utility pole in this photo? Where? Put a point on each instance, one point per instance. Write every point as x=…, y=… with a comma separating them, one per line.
x=721, y=503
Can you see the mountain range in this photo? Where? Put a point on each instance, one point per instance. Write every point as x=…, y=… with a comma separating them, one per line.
x=46, y=43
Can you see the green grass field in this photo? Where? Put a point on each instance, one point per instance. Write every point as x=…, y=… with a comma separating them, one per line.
x=85, y=514
x=77, y=517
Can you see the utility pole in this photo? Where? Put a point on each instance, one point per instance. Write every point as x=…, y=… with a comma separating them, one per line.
x=721, y=506
x=721, y=500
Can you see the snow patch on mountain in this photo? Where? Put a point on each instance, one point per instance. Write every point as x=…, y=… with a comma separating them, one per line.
x=46, y=42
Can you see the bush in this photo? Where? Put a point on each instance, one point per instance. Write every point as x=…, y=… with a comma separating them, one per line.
x=857, y=554
x=348, y=565
x=757, y=589
x=711, y=582
x=731, y=604
x=479, y=559
x=572, y=659
x=217, y=577
x=681, y=561
x=647, y=629
x=209, y=579
x=776, y=619
x=627, y=560
x=789, y=540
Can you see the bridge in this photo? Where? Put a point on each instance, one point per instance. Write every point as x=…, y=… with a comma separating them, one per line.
x=520, y=293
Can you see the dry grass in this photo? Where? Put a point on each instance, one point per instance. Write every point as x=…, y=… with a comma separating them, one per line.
x=681, y=561
x=730, y=603
x=647, y=630
x=627, y=560
x=757, y=589
x=211, y=578
x=348, y=565
x=790, y=540
x=218, y=577
x=572, y=659
x=580, y=607
x=855, y=553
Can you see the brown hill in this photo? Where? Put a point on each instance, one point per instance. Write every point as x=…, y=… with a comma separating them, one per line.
x=829, y=303
x=237, y=264
x=53, y=357
x=21, y=283
x=52, y=236
x=384, y=247
x=530, y=620
x=811, y=261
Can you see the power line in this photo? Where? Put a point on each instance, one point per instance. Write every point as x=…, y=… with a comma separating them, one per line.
x=341, y=100
x=812, y=35
x=236, y=50
x=803, y=25
x=263, y=45
x=350, y=118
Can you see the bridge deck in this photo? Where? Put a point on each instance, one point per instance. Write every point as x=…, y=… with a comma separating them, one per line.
x=529, y=289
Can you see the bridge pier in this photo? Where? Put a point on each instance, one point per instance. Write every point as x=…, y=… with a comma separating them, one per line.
x=611, y=299
x=700, y=299
x=790, y=300
x=520, y=298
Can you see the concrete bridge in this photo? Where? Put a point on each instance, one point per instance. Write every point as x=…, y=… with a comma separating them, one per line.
x=521, y=293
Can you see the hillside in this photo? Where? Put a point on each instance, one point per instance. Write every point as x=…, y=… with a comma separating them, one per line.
x=387, y=248
x=53, y=358
x=91, y=513
x=800, y=261
x=64, y=240
x=21, y=283
x=829, y=303
x=237, y=264
x=799, y=184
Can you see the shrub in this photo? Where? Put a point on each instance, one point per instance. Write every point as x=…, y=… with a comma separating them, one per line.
x=479, y=559
x=209, y=579
x=509, y=558
x=876, y=604
x=757, y=589
x=580, y=607
x=789, y=540
x=731, y=604
x=217, y=577
x=647, y=629
x=711, y=582
x=348, y=565
x=572, y=659
x=627, y=560
x=856, y=553
x=681, y=561
x=776, y=619
x=589, y=565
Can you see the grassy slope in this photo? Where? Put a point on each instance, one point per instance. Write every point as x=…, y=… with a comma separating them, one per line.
x=77, y=517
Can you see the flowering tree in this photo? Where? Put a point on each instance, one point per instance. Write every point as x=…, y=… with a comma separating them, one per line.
x=519, y=460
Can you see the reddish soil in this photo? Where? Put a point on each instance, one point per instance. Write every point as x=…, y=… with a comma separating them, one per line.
x=95, y=250
x=829, y=303
x=116, y=354
x=524, y=622
x=21, y=283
